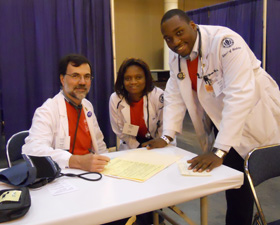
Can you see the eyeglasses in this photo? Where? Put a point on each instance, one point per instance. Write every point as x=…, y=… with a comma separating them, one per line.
x=78, y=77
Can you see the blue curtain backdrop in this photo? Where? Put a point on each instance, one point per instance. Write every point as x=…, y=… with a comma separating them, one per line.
x=245, y=17
x=272, y=39
x=34, y=36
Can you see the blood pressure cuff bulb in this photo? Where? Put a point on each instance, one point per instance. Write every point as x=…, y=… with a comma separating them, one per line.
x=34, y=172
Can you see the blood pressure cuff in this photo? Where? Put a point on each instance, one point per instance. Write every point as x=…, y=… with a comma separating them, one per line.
x=14, y=203
x=34, y=172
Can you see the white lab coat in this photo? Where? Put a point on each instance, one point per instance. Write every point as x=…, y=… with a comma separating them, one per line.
x=50, y=122
x=246, y=110
x=120, y=114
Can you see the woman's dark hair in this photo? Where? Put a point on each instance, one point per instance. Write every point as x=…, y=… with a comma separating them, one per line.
x=175, y=12
x=119, y=85
x=75, y=59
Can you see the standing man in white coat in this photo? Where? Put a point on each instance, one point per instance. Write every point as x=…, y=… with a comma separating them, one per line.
x=65, y=127
x=217, y=78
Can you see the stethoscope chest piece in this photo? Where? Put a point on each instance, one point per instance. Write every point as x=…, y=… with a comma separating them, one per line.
x=181, y=76
x=148, y=135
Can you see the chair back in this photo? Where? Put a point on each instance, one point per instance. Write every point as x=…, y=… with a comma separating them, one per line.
x=14, y=146
x=260, y=165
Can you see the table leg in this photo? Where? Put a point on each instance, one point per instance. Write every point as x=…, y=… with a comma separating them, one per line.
x=180, y=213
x=204, y=210
x=155, y=217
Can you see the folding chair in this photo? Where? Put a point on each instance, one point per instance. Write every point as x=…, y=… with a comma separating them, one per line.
x=13, y=147
x=260, y=165
x=3, y=156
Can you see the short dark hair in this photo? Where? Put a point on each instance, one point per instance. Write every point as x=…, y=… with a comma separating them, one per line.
x=75, y=59
x=175, y=12
x=119, y=85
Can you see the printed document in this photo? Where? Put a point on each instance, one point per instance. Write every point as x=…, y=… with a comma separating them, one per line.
x=139, y=165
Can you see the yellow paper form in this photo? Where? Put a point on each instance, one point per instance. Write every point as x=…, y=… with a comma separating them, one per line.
x=139, y=165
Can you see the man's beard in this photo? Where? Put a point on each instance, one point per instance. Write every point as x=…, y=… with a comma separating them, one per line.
x=79, y=96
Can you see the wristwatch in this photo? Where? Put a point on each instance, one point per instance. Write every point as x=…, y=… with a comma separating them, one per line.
x=220, y=153
x=165, y=139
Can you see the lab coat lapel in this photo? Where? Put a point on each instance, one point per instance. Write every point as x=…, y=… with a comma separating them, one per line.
x=204, y=64
x=190, y=98
x=89, y=117
x=125, y=110
x=63, y=115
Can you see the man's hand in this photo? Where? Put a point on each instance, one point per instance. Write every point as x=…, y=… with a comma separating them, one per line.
x=207, y=161
x=89, y=162
x=155, y=143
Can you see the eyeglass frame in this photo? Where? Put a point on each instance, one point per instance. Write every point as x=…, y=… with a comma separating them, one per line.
x=79, y=76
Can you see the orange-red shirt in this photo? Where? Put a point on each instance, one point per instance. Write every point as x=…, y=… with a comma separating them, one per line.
x=137, y=117
x=192, y=68
x=83, y=139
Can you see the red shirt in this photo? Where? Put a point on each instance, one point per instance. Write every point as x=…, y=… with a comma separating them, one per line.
x=83, y=138
x=137, y=117
x=192, y=68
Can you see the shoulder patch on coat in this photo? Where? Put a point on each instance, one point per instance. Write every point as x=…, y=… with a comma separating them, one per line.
x=161, y=98
x=228, y=42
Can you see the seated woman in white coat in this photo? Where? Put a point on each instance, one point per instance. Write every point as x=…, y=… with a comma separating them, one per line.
x=136, y=110
x=136, y=106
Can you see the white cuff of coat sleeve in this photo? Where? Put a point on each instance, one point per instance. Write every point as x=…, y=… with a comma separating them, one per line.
x=64, y=163
x=169, y=133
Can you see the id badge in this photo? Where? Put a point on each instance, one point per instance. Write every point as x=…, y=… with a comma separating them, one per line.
x=130, y=129
x=62, y=142
x=218, y=87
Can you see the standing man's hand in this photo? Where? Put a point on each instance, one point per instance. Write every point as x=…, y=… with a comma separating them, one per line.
x=89, y=162
x=207, y=161
x=158, y=142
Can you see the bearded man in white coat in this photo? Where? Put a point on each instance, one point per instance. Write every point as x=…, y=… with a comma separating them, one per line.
x=65, y=127
x=217, y=78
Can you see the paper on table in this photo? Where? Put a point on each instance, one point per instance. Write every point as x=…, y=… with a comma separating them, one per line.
x=59, y=187
x=150, y=156
x=139, y=165
x=131, y=170
x=183, y=167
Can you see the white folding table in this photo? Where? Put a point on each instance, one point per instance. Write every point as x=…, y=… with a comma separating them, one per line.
x=111, y=199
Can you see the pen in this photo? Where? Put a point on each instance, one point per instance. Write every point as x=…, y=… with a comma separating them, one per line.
x=95, y=153
x=90, y=150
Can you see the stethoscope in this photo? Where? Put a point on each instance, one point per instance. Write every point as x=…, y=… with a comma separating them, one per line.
x=181, y=74
x=82, y=175
x=148, y=134
x=79, y=110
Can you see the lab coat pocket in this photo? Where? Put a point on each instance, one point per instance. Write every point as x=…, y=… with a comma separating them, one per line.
x=260, y=124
